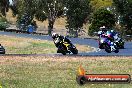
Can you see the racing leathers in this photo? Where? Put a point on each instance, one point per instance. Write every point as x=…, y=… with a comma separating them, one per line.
x=59, y=40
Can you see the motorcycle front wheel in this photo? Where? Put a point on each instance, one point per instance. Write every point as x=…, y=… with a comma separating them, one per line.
x=116, y=51
x=107, y=48
x=74, y=51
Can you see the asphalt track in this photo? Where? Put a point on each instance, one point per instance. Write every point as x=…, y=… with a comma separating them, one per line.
x=91, y=42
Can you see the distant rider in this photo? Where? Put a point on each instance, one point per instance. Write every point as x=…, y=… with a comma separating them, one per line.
x=104, y=32
x=111, y=35
x=114, y=34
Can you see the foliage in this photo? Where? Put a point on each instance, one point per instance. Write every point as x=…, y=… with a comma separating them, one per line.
x=124, y=8
x=3, y=19
x=49, y=9
x=77, y=13
x=25, y=10
x=4, y=7
x=101, y=17
x=40, y=9
x=98, y=4
x=40, y=16
x=3, y=23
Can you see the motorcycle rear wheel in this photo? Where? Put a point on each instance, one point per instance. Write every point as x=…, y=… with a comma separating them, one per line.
x=64, y=53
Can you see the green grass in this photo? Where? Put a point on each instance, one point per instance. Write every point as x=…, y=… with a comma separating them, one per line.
x=59, y=72
x=14, y=45
x=34, y=48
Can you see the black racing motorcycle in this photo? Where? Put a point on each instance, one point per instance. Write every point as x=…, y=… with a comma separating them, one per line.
x=66, y=47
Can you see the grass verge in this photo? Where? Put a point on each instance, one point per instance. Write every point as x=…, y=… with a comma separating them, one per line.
x=59, y=71
x=14, y=45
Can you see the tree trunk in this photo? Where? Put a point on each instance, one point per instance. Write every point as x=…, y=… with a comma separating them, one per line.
x=50, y=27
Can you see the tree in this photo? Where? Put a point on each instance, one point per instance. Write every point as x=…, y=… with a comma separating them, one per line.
x=77, y=13
x=25, y=10
x=124, y=8
x=4, y=6
x=98, y=4
x=49, y=9
x=102, y=17
x=40, y=9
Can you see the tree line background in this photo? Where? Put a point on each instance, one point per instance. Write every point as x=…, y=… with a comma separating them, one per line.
x=111, y=13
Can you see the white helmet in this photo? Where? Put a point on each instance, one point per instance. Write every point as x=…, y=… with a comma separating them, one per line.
x=111, y=30
x=54, y=35
x=102, y=27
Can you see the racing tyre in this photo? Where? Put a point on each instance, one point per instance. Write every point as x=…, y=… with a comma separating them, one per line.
x=107, y=48
x=64, y=53
x=74, y=51
x=116, y=51
x=122, y=47
x=101, y=46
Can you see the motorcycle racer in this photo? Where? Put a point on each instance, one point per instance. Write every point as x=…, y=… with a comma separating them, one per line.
x=119, y=41
x=63, y=44
x=111, y=35
x=105, y=36
x=102, y=31
x=58, y=39
x=102, y=36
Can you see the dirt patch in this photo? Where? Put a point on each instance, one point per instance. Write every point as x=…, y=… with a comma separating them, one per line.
x=84, y=48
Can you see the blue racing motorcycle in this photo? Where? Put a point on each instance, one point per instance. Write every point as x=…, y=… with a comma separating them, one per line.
x=108, y=44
